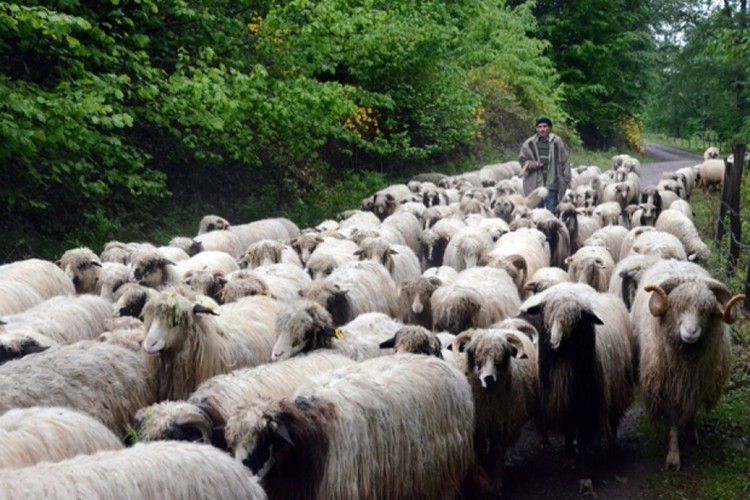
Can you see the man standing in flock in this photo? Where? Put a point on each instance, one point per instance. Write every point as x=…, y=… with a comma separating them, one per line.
x=545, y=162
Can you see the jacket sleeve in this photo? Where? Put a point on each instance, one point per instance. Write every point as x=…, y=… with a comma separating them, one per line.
x=564, y=159
x=525, y=153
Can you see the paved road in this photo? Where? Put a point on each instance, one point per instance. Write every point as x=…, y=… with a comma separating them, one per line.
x=663, y=159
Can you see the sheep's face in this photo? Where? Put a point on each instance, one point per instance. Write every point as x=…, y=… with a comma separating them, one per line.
x=173, y=420
x=488, y=358
x=691, y=307
x=301, y=330
x=83, y=268
x=415, y=340
x=251, y=435
x=561, y=316
x=167, y=319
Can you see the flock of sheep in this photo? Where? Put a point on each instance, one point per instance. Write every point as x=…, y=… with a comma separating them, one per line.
x=396, y=352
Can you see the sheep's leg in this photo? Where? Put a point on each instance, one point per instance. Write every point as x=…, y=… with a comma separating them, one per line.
x=673, y=456
x=585, y=457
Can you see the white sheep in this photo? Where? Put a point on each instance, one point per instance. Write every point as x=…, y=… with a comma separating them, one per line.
x=466, y=248
x=479, y=297
x=107, y=381
x=685, y=348
x=400, y=260
x=220, y=241
x=130, y=298
x=711, y=174
x=204, y=414
x=266, y=252
x=147, y=471
x=592, y=265
x=384, y=202
x=681, y=226
x=351, y=433
x=580, y=227
x=354, y=288
x=656, y=242
x=520, y=253
x=609, y=237
x=712, y=152
x=16, y=296
x=306, y=326
x=195, y=342
x=63, y=319
x=44, y=277
x=585, y=367
x=50, y=434
x=543, y=278
x=609, y=212
x=150, y=268
x=328, y=254
x=434, y=240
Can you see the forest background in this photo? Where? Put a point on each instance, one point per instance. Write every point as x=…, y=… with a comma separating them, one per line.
x=130, y=119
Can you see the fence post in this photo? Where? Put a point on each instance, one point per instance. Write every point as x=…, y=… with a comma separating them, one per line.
x=732, y=185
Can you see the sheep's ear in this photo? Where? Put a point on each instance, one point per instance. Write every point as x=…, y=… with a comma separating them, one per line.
x=535, y=310
x=434, y=280
x=165, y=262
x=392, y=252
x=201, y=309
x=283, y=433
x=517, y=350
x=388, y=344
x=95, y=263
x=359, y=253
x=591, y=317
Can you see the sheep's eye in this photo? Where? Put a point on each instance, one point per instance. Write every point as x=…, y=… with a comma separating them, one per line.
x=295, y=343
x=83, y=265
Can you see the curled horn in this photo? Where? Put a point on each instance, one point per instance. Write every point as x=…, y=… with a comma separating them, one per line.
x=727, y=316
x=660, y=308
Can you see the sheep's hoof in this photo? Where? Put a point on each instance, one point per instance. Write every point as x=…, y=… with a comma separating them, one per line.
x=586, y=488
x=673, y=460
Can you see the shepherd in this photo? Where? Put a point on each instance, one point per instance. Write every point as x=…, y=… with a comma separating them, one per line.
x=545, y=163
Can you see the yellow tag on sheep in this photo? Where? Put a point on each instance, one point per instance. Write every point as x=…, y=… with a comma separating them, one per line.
x=339, y=334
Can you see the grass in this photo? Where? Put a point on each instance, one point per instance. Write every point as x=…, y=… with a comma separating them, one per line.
x=719, y=467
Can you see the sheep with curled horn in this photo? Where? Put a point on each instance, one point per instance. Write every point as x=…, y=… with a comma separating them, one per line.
x=585, y=367
x=681, y=319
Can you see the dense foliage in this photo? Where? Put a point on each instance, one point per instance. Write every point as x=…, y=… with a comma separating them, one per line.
x=114, y=111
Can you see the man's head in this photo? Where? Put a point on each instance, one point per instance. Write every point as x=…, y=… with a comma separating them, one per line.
x=543, y=126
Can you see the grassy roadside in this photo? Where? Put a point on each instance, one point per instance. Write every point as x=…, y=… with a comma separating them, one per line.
x=718, y=467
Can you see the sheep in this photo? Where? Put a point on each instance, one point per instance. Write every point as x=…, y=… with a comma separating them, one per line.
x=633, y=234
x=50, y=434
x=277, y=228
x=220, y=241
x=354, y=288
x=685, y=349
x=414, y=300
x=306, y=242
x=400, y=260
x=558, y=239
x=585, y=366
x=520, y=253
x=147, y=471
x=265, y=252
x=195, y=342
x=118, y=252
x=609, y=237
x=82, y=266
x=711, y=153
x=124, y=331
x=204, y=414
x=644, y=214
x=43, y=277
x=679, y=225
x=351, y=433
x=662, y=243
x=543, y=278
x=305, y=326
x=329, y=254
x=130, y=298
x=408, y=226
x=592, y=265
x=503, y=374
x=580, y=227
x=435, y=239
x=626, y=274
x=479, y=297
x=359, y=220
x=414, y=339
x=684, y=207
x=16, y=297
x=111, y=277
x=437, y=213
x=107, y=381
x=467, y=247
x=623, y=193
x=711, y=175
x=446, y=274
x=150, y=268
x=609, y=212
x=63, y=319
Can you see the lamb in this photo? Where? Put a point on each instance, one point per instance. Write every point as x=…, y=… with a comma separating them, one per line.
x=107, y=381
x=711, y=175
x=354, y=288
x=195, y=342
x=305, y=326
x=50, y=434
x=585, y=366
x=467, y=247
x=352, y=432
x=329, y=254
x=685, y=349
x=266, y=252
x=502, y=370
x=146, y=471
x=479, y=297
x=150, y=268
x=592, y=265
x=402, y=263
x=63, y=319
x=679, y=225
x=204, y=414
x=44, y=278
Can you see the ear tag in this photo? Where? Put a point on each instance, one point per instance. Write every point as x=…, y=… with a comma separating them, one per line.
x=339, y=334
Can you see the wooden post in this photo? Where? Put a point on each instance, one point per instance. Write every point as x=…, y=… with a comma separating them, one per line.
x=733, y=200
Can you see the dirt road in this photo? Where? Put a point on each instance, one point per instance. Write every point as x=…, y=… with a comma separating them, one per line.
x=621, y=473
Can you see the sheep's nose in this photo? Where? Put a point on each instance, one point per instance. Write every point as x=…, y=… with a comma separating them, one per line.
x=488, y=382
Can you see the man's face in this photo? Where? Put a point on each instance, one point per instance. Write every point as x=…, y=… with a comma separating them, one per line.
x=542, y=129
